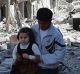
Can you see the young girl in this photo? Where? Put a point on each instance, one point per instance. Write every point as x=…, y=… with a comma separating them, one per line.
x=24, y=60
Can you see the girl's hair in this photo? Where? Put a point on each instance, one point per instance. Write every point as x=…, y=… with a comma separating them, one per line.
x=29, y=32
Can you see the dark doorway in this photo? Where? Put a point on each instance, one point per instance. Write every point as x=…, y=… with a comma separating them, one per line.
x=3, y=14
x=25, y=9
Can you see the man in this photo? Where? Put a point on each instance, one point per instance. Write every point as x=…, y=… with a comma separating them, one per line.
x=50, y=42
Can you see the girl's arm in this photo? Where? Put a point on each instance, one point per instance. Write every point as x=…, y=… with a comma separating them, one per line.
x=14, y=54
x=36, y=50
x=37, y=53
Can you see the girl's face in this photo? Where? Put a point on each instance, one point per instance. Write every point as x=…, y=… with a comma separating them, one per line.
x=23, y=38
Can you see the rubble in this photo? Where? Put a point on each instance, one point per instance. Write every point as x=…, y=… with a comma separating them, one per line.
x=72, y=41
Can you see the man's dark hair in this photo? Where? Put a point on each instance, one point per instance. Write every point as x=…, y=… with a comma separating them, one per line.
x=27, y=31
x=44, y=14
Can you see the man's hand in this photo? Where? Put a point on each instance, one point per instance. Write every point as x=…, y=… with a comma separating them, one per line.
x=36, y=59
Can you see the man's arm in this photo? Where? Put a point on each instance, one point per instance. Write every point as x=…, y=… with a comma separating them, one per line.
x=59, y=53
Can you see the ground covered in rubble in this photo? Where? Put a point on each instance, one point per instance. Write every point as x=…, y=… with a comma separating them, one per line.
x=72, y=41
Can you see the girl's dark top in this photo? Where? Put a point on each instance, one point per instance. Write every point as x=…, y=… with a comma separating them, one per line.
x=28, y=50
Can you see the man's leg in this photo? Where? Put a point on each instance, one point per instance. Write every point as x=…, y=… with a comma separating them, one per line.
x=48, y=71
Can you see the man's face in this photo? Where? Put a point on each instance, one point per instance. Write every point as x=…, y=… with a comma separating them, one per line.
x=44, y=25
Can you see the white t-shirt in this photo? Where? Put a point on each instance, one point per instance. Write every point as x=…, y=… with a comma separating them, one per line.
x=43, y=33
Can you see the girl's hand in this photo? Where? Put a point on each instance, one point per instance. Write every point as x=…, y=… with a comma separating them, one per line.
x=25, y=56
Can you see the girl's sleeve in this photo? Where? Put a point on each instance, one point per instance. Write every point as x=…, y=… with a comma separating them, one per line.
x=35, y=49
x=14, y=52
